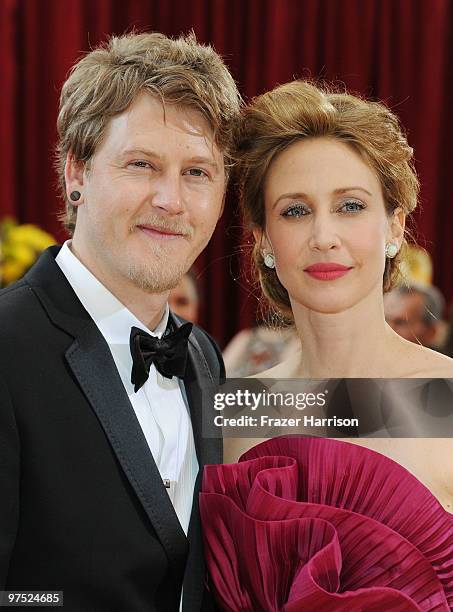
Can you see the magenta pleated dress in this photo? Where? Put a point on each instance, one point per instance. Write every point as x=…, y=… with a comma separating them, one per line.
x=312, y=524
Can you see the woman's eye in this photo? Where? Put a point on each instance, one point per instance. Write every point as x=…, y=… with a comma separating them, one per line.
x=351, y=206
x=296, y=210
x=140, y=163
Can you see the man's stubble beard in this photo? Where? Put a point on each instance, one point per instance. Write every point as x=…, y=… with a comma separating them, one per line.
x=159, y=275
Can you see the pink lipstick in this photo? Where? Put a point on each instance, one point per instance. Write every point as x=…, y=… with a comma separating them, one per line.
x=327, y=271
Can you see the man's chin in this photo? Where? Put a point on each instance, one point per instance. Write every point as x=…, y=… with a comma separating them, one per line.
x=158, y=280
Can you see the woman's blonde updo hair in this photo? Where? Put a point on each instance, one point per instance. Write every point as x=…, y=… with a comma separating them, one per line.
x=298, y=110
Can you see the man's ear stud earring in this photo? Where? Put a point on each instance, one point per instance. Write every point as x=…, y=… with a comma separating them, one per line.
x=75, y=196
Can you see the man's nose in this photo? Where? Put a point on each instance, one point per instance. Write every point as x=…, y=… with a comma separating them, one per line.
x=324, y=232
x=168, y=193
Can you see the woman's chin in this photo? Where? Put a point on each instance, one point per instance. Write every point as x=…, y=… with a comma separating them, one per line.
x=324, y=306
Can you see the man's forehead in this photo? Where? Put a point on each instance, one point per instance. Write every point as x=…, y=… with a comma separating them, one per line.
x=147, y=119
x=166, y=113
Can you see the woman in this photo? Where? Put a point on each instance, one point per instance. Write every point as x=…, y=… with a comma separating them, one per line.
x=327, y=183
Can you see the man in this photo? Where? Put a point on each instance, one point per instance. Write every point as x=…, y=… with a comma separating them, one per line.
x=415, y=312
x=101, y=445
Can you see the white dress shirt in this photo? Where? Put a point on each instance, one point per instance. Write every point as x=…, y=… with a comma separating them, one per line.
x=159, y=404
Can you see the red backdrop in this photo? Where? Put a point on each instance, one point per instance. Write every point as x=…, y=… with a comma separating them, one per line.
x=395, y=50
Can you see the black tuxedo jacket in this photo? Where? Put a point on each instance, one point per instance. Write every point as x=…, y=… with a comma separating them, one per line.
x=82, y=505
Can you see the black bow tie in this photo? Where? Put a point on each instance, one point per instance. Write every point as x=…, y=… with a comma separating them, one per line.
x=169, y=353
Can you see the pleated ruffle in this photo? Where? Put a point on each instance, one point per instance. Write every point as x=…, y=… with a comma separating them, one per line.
x=311, y=524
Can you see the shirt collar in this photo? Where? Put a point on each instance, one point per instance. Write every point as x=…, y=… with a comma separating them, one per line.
x=113, y=319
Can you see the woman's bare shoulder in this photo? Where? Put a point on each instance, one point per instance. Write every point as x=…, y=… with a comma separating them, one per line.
x=422, y=362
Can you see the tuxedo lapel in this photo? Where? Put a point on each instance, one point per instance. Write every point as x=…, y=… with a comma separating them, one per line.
x=200, y=389
x=92, y=364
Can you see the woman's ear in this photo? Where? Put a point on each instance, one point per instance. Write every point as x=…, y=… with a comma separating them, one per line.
x=261, y=240
x=397, y=223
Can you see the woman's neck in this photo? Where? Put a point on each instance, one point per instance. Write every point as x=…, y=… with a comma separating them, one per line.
x=353, y=343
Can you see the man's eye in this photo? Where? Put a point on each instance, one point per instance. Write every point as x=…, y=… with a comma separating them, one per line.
x=352, y=206
x=196, y=172
x=296, y=210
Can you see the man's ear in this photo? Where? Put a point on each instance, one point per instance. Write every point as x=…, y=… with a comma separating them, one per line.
x=74, y=177
x=397, y=223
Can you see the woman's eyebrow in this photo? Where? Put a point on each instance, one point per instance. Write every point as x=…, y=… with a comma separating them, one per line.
x=345, y=189
x=290, y=196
